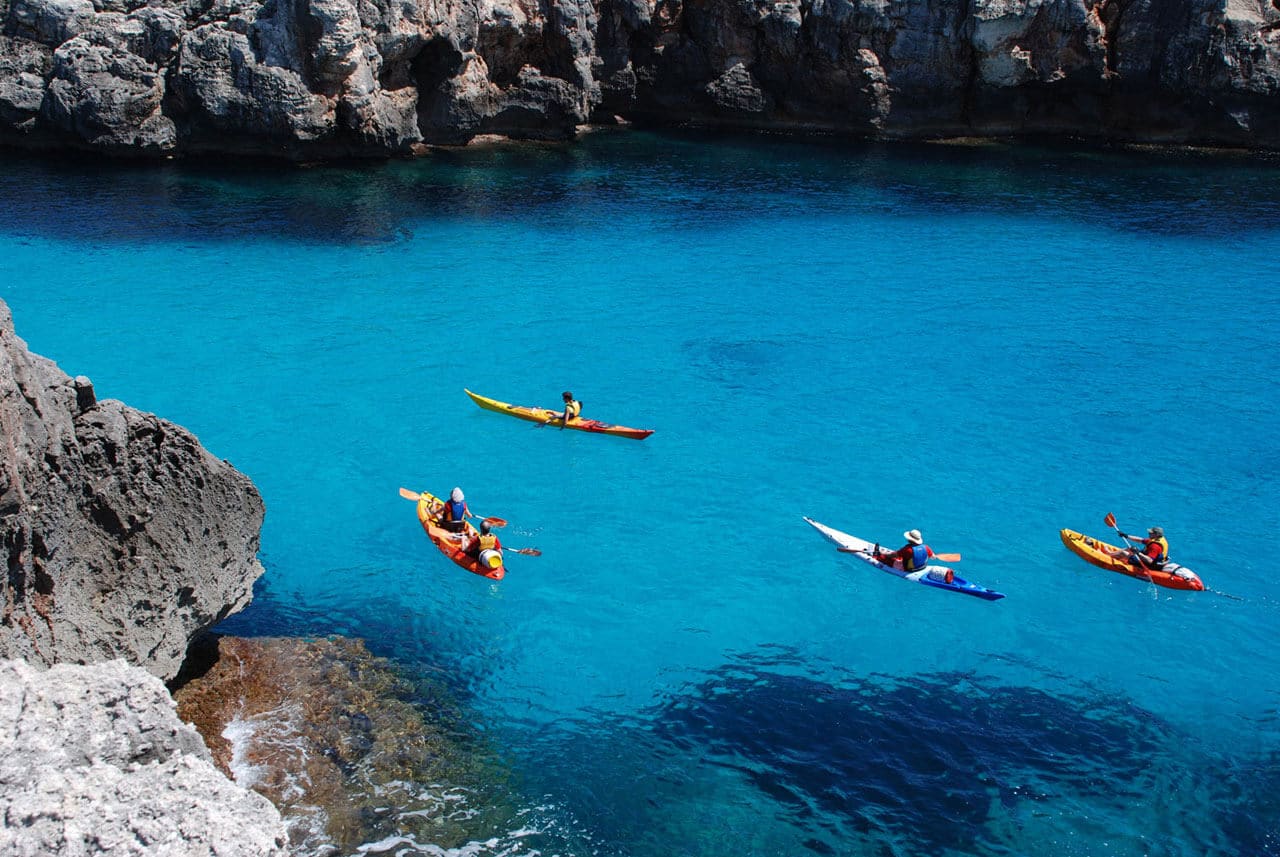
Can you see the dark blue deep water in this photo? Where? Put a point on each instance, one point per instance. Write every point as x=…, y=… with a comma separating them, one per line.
x=988, y=343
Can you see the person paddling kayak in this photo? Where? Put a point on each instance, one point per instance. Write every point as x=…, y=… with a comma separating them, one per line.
x=454, y=512
x=1155, y=549
x=486, y=541
x=912, y=556
x=572, y=408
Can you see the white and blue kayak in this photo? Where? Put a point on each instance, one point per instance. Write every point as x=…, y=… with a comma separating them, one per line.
x=931, y=575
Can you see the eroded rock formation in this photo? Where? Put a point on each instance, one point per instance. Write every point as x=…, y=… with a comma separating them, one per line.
x=123, y=537
x=327, y=78
x=94, y=760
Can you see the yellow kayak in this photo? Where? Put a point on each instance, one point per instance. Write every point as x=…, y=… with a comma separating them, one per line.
x=548, y=417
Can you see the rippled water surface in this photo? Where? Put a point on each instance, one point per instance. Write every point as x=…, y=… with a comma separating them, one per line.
x=987, y=343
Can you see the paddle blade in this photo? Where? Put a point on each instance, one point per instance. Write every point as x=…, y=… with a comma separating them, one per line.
x=526, y=551
x=410, y=495
x=495, y=522
x=1110, y=520
x=948, y=557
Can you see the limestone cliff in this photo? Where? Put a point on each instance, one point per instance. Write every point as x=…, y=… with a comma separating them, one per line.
x=123, y=537
x=325, y=78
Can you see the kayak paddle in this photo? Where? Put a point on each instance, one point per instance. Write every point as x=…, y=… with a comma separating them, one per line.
x=415, y=497
x=945, y=557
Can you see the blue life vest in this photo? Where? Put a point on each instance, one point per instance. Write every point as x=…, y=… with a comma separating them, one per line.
x=455, y=510
x=919, y=558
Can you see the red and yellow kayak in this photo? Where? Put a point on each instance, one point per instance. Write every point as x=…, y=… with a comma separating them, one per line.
x=549, y=417
x=451, y=544
x=1103, y=555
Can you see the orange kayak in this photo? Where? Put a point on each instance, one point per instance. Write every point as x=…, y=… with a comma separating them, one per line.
x=1103, y=555
x=451, y=544
x=548, y=417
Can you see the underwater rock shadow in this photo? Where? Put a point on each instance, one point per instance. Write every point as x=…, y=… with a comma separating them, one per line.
x=920, y=761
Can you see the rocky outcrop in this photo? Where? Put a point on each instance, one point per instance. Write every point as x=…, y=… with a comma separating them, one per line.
x=94, y=760
x=328, y=78
x=337, y=739
x=123, y=537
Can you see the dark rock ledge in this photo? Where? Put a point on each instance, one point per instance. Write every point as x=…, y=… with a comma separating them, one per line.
x=123, y=537
x=316, y=79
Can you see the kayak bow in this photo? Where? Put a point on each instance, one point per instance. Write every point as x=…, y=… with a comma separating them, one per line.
x=930, y=575
x=548, y=417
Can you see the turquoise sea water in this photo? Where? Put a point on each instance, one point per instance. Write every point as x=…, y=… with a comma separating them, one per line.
x=986, y=343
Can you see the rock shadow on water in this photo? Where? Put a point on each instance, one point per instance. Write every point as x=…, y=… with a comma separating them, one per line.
x=342, y=744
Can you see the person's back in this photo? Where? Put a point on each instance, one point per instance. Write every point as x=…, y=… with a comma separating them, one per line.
x=572, y=407
x=453, y=517
x=912, y=556
x=485, y=548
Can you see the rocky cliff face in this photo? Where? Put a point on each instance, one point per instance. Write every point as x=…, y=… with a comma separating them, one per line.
x=123, y=536
x=94, y=760
x=325, y=78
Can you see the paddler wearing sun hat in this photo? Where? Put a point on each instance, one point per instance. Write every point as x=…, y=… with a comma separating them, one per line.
x=912, y=556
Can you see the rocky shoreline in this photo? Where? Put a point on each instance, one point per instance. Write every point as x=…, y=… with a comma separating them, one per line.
x=323, y=79
x=126, y=542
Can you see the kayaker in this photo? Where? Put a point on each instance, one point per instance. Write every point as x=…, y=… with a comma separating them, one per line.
x=1155, y=549
x=486, y=541
x=453, y=517
x=572, y=408
x=912, y=556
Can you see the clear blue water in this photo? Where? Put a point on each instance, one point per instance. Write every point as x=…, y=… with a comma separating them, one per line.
x=986, y=343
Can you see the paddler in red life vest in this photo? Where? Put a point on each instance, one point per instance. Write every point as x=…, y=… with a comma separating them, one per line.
x=1155, y=549
x=453, y=517
x=572, y=408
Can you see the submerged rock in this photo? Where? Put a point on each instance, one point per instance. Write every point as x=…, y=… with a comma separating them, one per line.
x=124, y=538
x=336, y=738
x=93, y=760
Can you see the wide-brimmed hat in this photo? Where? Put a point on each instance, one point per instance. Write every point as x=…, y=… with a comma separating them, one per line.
x=913, y=536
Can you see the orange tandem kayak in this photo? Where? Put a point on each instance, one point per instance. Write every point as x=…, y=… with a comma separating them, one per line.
x=548, y=417
x=1103, y=555
x=489, y=564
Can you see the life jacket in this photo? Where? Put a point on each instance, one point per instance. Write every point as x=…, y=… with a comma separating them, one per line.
x=1163, y=557
x=488, y=541
x=454, y=510
x=917, y=559
x=573, y=408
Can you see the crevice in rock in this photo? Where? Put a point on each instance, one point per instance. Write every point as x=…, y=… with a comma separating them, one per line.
x=15, y=542
x=1110, y=13
x=438, y=62
x=966, y=25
